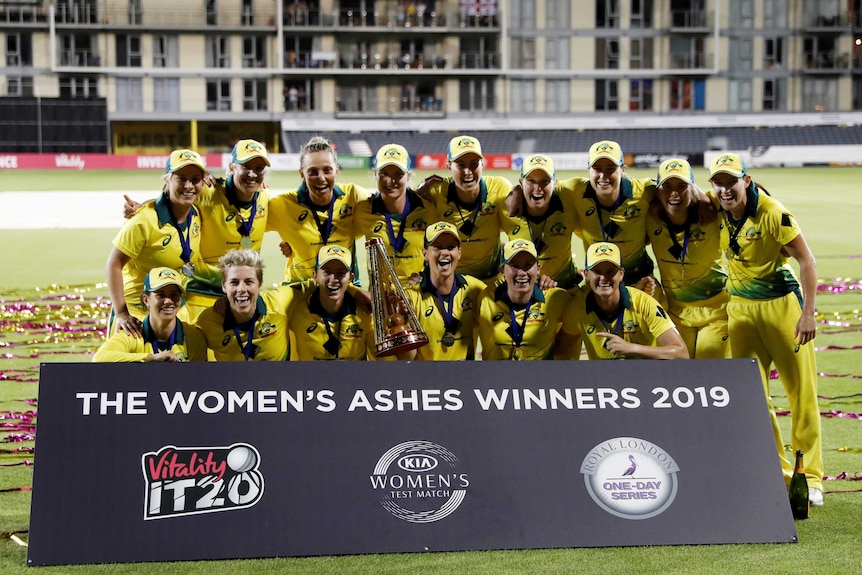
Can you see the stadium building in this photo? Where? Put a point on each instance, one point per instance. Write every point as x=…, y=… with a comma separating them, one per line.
x=147, y=76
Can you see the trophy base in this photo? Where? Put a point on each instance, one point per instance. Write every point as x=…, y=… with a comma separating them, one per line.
x=400, y=343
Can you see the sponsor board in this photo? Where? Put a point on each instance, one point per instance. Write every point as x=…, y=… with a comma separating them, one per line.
x=295, y=459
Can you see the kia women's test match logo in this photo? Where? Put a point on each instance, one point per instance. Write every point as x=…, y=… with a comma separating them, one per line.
x=419, y=481
x=191, y=480
x=630, y=478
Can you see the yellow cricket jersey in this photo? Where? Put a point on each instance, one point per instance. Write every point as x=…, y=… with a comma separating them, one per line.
x=224, y=220
x=151, y=240
x=430, y=310
x=624, y=224
x=481, y=250
x=348, y=335
x=760, y=270
x=307, y=228
x=689, y=261
x=229, y=341
x=408, y=232
x=499, y=323
x=551, y=233
x=188, y=344
x=641, y=320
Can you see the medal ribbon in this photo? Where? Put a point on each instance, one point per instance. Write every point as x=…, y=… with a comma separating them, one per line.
x=683, y=249
x=324, y=230
x=448, y=314
x=619, y=323
x=332, y=337
x=246, y=224
x=398, y=242
x=171, y=341
x=246, y=349
x=518, y=330
x=185, y=240
x=600, y=209
x=737, y=228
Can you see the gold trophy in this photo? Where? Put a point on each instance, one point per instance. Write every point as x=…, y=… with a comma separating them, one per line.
x=396, y=327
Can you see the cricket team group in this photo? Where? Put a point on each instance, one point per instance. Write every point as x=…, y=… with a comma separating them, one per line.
x=486, y=266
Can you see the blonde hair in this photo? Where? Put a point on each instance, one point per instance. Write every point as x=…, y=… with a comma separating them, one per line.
x=317, y=144
x=235, y=258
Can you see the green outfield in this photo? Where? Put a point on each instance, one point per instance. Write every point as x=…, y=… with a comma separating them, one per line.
x=41, y=264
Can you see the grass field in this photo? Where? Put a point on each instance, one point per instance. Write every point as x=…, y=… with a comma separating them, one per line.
x=825, y=200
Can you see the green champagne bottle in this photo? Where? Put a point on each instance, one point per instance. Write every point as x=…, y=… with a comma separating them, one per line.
x=798, y=491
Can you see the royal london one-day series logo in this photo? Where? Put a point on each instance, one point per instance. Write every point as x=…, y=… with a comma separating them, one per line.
x=631, y=478
x=182, y=481
x=419, y=481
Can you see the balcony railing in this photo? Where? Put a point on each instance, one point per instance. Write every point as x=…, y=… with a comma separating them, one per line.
x=690, y=19
x=826, y=60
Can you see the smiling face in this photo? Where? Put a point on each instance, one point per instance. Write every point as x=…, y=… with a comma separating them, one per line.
x=184, y=186
x=443, y=255
x=604, y=278
x=163, y=303
x=730, y=192
x=391, y=182
x=248, y=177
x=675, y=197
x=332, y=278
x=466, y=173
x=605, y=177
x=319, y=171
x=242, y=286
x=538, y=188
x=521, y=273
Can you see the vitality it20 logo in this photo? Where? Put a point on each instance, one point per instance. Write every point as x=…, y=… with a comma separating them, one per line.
x=191, y=480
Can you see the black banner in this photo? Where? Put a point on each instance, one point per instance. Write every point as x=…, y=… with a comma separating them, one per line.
x=163, y=462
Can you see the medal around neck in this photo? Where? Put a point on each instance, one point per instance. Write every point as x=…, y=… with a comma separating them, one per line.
x=188, y=269
x=246, y=243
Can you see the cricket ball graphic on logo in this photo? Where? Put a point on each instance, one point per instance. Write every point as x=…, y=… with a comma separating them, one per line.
x=419, y=481
x=191, y=480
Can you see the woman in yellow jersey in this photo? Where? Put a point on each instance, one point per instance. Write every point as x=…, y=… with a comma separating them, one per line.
x=324, y=315
x=771, y=314
x=164, y=233
x=318, y=213
x=614, y=321
x=475, y=204
x=689, y=262
x=253, y=325
x=445, y=301
x=396, y=214
x=233, y=216
x=163, y=337
x=517, y=320
x=549, y=221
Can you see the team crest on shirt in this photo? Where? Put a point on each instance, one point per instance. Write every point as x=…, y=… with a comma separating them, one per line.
x=631, y=212
x=345, y=211
x=631, y=326
x=558, y=229
x=467, y=304
x=697, y=234
x=267, y=329
x=752, y=234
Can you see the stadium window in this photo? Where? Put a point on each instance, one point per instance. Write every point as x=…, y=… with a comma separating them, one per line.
x=742, y=53
x=523, y=96
x=557, y=14
x=212, y=12
x=476, y=95
x=248, y=12
x=557, y=54
x=774, y=14
x=218, y=52
x=130, y=94
x=19, y=49
x=557, y=96
x=528, y=15
x=136, y=12
x=218, y=95
x=607, y=14
x=607, y=53
x=129, y=51
x=745, y=13
x=166, y=94
x=774, y=91
x=687, y=95
x=819, y=95
x=253, y=52
x=739, y=96
x=79, y=87
x=165, y=51
x=640, y=95
x=254, y=95
x=75, y=50
x=607, y=95
x=641, y=14
x=773, y=53
x=857, y=93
